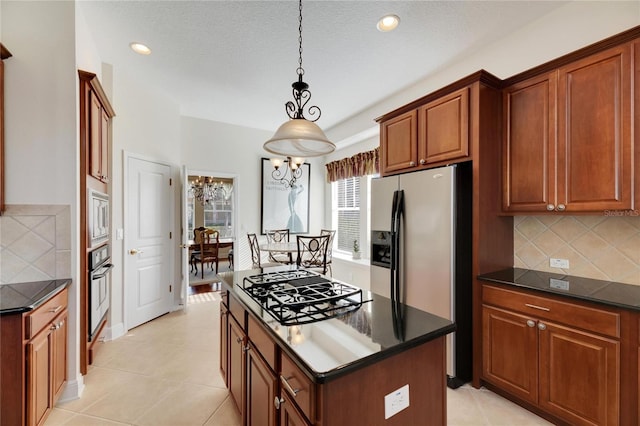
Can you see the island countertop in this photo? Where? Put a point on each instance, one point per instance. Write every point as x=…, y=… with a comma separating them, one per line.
x=333, y=347
x=626, y=296
x=23, y=297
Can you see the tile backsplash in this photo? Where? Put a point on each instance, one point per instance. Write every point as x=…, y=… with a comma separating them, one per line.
x=35, y=243
x=600, y=247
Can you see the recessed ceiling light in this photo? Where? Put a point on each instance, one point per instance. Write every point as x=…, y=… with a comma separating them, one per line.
x=388, y=23
x=140, y=48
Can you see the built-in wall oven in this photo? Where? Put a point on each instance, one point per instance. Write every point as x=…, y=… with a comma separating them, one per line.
x=98, y=211
x=99, y=282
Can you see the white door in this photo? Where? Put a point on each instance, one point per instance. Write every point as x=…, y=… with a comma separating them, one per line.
x=148, y=245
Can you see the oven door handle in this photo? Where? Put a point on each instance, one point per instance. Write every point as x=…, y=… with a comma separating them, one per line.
x=105, y=270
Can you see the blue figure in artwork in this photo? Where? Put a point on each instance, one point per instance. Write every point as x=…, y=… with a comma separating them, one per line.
x=294, y=223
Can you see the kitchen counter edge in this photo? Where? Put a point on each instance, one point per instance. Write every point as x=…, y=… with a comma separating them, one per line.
x=57, y=286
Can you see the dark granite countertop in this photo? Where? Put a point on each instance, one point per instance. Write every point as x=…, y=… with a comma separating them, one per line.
x=333, y=347
x=626, y=296
x=23, y=297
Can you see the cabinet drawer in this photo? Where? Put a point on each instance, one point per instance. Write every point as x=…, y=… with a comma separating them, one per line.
x=261, y=340
x=299, y=387
x=42, y=316
x=237, y=311
x=580, y=316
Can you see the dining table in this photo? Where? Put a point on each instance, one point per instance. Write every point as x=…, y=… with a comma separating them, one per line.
x=282, y=247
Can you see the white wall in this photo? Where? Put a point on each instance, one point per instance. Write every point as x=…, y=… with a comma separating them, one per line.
x=41, y=127
x=233, y=150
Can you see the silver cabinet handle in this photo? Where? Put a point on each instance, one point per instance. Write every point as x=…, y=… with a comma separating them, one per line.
x=239, y=340
x=531, y=323
x=423, y=161
x=277, y=402
x=412, y=163
x=551, y=207
x=246, y=348
x=287, y=386
x=56, y=309
x=541, y=308
x=54, y=327
x=561, y=207
x=541, y=326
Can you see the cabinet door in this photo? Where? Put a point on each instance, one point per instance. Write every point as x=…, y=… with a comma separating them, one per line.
x=95, y=135
x=579, y=375
x=237, y=342
x=528, y=168
x=289, y=414
x=224, y=343
x=59, y=360
x=510, y=352
x=261, y=390
x=39, y=374
x=399, y=143
x=444, y=128
x=594, y=132
x=105, y=129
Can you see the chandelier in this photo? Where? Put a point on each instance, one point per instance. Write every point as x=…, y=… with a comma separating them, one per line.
x=299, y=137
x=289, y=174
x=206, y=191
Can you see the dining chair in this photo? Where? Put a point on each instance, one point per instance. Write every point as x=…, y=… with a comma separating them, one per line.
x=312, y=252
x=208, y=250
x=256, y=255
x=331, y=233
x=279, y=236
x=196, y=251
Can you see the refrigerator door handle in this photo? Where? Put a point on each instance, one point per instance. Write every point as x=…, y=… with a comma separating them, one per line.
x=399, y=229
x=394, y=262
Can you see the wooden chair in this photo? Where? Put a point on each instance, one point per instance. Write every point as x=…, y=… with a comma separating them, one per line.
x=279, y=236
x=196, y=239
x=331, y=233
x=312, y=252
x=256, y=255
x=208, y=250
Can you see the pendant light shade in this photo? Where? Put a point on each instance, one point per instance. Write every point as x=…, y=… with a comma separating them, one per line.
x=299, y=137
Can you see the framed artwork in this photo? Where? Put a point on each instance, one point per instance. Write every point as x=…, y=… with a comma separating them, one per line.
x=285, y=206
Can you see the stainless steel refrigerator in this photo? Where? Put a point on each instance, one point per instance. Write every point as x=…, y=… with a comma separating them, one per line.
x=421, y=251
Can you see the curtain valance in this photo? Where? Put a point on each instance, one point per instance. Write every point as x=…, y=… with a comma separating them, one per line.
x=361, y=164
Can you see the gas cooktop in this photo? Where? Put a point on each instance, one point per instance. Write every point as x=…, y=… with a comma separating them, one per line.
x=302, y=296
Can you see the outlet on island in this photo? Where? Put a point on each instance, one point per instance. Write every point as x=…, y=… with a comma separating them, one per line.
x=559, y=263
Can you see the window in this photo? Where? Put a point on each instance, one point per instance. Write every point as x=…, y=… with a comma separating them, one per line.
x=350, y=213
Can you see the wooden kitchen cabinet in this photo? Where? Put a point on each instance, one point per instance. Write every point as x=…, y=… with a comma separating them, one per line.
x=224, y=342
x=237, y=364
x=262, y=388
x=289, y=414
x=567, y=137
x=432, y=131
x=561, y=357
x=96, y=115
x=34, y=361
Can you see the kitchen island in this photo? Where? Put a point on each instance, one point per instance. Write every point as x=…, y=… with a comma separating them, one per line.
x=376, y=363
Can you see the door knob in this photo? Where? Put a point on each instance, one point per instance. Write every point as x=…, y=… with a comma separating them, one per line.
x=133, y=252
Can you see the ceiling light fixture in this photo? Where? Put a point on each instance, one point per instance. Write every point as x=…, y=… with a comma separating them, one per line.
x=300, y=137
x=388, y=23
x=140, y=48
x=206, y=191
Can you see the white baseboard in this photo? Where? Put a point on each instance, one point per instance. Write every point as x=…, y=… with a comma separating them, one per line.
x=72, y=390
x=114, y=332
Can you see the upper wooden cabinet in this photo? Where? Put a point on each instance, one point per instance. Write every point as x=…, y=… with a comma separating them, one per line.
x=437, y=129
x=95, y=126
x=567, y=137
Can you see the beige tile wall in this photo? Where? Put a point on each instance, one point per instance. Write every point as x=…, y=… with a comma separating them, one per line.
x=600, y=247
x=35, y=243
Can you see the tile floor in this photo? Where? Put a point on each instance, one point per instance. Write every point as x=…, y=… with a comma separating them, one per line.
x=166, y=372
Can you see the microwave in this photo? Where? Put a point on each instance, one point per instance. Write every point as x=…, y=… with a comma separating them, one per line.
x=98, y=217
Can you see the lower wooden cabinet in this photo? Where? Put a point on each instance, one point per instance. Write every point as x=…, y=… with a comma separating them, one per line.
x=568, y=369
x=262, y=387
x=34, y=362
x=237, y=363
x=224, y=341
x=289, y=414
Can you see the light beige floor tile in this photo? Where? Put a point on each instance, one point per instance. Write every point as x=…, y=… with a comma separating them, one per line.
x=59, y=416
x=131, y=400
x=84, y=420
x=501, y=412
x=186, y=405
x=462, y=409
x=226, y=415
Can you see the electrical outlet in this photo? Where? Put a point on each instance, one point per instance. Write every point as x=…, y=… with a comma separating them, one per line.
x=558, y=284
x=396, y=401
x=559, y=263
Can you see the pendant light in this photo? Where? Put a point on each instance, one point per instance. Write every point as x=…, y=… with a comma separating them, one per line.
x=300, y=137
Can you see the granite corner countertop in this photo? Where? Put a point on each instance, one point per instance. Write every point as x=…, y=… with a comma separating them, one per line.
x=611, y=293
x=17, y=298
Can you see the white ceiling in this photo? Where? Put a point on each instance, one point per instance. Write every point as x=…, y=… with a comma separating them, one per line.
x=234, y=61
